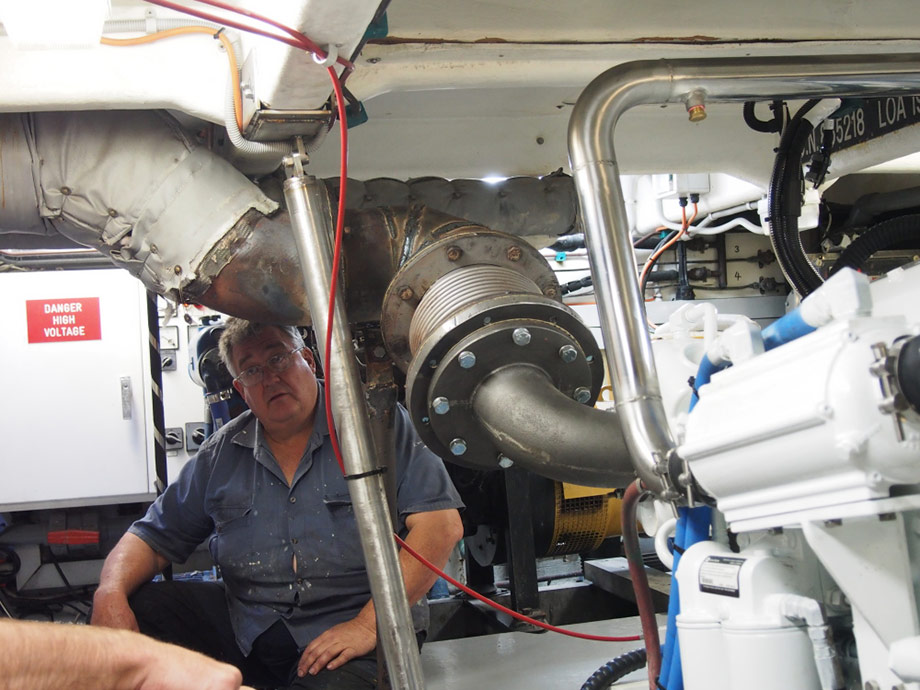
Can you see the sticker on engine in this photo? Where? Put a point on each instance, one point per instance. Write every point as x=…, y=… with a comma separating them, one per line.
x=719, y=575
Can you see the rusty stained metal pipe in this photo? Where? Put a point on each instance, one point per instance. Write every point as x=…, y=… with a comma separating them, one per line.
x=254, y=271
x=603, y=209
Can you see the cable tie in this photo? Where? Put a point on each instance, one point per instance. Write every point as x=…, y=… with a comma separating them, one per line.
x=332, y=54
x=218, y=33
x=369, y=473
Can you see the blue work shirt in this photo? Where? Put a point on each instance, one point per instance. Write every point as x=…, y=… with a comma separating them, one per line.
x=258, y=525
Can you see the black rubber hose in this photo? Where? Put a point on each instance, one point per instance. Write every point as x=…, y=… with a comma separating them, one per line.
x=775, y=124
x=615, y=669
x=786, y=187
x=881, y=236
x=908, y=372
x=643, y=593
x=568, y=243
x=574, y=285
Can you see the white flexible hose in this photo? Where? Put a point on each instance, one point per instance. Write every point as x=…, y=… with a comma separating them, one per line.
x=667, y=528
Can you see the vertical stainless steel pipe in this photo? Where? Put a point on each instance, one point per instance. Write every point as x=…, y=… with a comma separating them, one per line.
x=311, y=220
x=603, y=207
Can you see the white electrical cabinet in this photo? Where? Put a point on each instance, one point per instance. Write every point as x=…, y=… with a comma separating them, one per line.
x=76, y=419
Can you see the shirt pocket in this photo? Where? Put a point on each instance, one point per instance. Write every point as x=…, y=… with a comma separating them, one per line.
x=231, y=544
x=344, y=544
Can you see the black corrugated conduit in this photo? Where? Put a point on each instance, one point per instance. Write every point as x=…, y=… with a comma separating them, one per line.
x=884, y=235
x=786, y=189
x=615, y=669
x=774, y=124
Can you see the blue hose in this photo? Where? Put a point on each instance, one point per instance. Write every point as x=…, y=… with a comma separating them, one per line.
x=670, y=640
x=220, y=413
x=703, y=374
x=692, y=527
x=785, y=329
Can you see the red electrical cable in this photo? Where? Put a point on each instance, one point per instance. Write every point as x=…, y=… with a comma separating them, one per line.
x=307, y=43
x=296, y=39
x=520, y=616
x=252, y=15
x=336, y=259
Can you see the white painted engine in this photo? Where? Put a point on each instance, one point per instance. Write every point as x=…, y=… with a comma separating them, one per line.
x=811, y=450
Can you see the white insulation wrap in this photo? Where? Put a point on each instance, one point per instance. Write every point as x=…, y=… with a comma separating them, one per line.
x=134, y=186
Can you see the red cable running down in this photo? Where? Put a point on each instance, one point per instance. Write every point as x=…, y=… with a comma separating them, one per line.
x=300, y=41
x=520, y=616
x=336, y=258
x=297, y=39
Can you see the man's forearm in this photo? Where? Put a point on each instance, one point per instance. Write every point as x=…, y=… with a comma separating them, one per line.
x=432, y=535
x=131, y=563
x=63, y=656
x=53, y=656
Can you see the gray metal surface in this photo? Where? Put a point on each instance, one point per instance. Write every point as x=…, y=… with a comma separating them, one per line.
x=612, y=575
x=527, y=661
x=602, y=202
x=311, y=221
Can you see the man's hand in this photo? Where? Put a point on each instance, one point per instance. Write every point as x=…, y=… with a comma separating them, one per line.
x=338, y=645
x=168, y=667
x=111, y=610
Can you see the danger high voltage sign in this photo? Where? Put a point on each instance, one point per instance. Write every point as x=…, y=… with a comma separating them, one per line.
x=63, y=320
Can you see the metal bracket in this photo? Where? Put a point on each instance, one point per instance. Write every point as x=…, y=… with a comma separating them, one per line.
x=884, y=368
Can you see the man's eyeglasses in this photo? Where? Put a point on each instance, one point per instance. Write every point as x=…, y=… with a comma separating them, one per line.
x=276, y=363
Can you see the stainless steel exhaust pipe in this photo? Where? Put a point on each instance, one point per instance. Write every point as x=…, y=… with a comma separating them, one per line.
x=311, y=221
x=603, y=209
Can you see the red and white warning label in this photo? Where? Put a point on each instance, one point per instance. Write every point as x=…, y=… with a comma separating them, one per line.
x=63, y=320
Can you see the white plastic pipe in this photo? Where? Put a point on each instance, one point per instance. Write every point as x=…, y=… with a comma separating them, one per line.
x=665, y=530
x=795, y=607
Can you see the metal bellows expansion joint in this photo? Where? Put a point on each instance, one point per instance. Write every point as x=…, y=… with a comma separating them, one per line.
x=480, y=311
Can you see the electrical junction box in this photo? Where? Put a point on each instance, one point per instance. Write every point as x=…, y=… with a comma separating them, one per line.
x=76, y=418
x=674, y=185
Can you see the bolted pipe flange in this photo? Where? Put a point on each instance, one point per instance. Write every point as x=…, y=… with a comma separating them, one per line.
x=521, y=336
x=440, y=405
x=481, y=335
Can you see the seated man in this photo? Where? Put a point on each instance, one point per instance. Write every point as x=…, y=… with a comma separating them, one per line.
x=294, y=607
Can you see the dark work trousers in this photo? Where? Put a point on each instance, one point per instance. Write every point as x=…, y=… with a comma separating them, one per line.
x=195, y=615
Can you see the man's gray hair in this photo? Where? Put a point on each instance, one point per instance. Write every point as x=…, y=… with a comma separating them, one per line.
x=237, y=330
